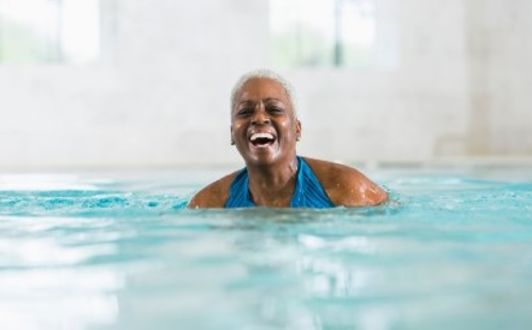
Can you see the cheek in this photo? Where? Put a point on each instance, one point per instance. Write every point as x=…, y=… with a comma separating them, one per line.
x=236, y=126
x=289, y=127
x=237, y=129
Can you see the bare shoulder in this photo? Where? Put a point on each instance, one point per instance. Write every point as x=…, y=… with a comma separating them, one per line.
x=345, y=185
x=214, y=195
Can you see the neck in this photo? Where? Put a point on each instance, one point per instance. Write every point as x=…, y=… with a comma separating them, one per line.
x=273, y=185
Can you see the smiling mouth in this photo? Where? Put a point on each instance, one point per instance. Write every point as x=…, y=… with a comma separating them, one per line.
x=262, y=140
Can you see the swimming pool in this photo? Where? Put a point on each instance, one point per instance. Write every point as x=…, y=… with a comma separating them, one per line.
x=452, y=250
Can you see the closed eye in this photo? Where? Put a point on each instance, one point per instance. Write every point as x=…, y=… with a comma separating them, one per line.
x=275, y=110
x=244, y=112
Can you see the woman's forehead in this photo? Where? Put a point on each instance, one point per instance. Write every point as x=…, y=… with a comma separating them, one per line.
x=262, y=88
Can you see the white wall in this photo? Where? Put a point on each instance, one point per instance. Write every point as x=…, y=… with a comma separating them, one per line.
x=454, y=81
x=413, y=109
x=500, y=50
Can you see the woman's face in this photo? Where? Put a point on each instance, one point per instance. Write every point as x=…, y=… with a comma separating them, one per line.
x=263, y=124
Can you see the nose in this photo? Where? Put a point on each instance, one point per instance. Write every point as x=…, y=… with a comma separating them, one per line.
x=260, y=116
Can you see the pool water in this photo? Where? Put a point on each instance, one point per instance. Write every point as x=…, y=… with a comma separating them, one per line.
x=451, y=250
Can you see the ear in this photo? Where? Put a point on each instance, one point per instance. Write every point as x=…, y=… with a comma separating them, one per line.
x=232, y=138
x=298, y=130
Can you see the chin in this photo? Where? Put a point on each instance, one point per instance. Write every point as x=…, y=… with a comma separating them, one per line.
x=260, y=160
x=266, y=159
x=260, y=156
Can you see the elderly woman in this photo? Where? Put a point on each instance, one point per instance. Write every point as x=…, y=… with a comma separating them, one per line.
x=265, y=130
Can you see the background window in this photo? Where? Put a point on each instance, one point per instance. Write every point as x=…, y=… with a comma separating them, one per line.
x=49, y=31
x=322, y=32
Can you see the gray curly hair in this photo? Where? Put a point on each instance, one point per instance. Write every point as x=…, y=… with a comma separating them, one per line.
x=263, y=74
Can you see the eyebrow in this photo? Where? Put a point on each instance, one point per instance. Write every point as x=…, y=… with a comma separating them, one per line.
x=268, y=99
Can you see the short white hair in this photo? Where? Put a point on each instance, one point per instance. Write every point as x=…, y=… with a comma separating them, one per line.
x=263, y=74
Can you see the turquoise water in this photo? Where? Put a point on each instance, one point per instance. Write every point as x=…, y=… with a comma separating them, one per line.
x=452, y=250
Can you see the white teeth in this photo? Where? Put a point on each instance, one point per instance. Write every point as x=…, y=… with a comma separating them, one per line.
x=255, y=136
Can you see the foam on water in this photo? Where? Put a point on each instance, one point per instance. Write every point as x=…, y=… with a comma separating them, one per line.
x=445, y=252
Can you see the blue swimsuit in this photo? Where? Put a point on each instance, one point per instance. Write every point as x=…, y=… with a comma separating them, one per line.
x=308, y=192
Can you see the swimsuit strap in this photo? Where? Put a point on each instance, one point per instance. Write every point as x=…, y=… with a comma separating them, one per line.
x=308, y=192
x=239, y=195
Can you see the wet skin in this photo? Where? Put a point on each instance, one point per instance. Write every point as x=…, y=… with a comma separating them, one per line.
x=265, y=130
